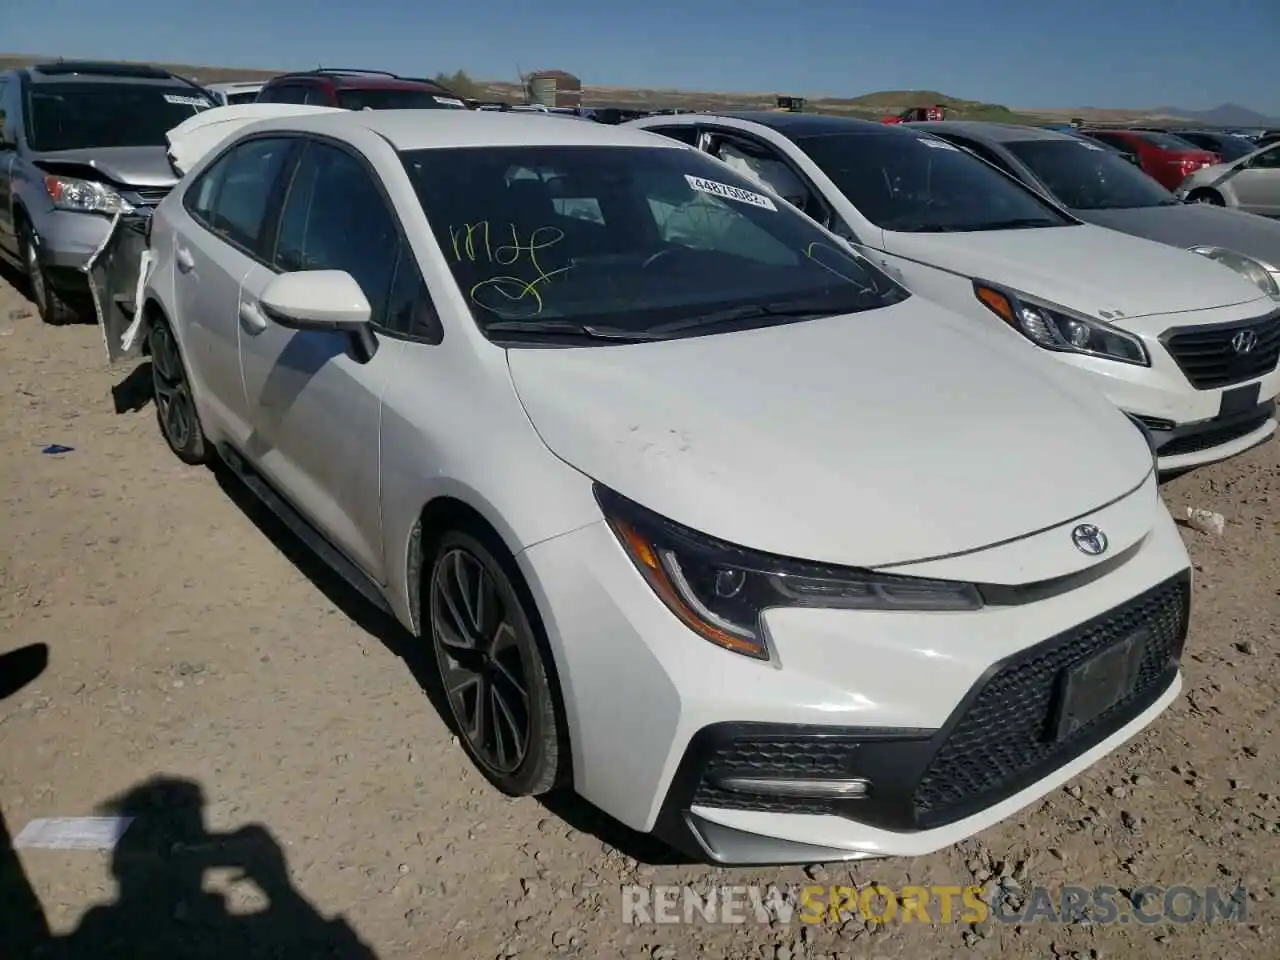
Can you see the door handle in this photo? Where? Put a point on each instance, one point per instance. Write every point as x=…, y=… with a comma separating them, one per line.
x=182, y=257
x=252, y=316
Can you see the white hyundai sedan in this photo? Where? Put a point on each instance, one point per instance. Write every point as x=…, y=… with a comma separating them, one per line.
x=701, y=514
x=1184, y=342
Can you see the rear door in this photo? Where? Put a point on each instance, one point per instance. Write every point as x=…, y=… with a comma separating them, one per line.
x=315, y=411
x=229, y=212
x=1257, y=186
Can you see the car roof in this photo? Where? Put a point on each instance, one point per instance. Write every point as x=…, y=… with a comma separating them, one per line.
x=89, y=73
x=995, y=132
x=236, y=85
x=790, y=124
x=429, y=129
x=344, y=80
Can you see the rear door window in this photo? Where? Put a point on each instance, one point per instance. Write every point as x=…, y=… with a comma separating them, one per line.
x=240, y=209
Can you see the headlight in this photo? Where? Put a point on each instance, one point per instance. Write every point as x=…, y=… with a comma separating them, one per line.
x=84, y=196
x=720, y=591
x=1056, y=328
x=1253, y=270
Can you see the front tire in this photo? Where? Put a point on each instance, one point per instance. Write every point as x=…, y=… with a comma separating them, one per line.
x=492, y=667
x=52, y=308
x=176, y=411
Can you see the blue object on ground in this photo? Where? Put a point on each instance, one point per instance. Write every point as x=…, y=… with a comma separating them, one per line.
x=55, y=448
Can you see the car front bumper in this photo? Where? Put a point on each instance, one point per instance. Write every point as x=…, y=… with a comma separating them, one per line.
x=1193, y=426
x=657, y=714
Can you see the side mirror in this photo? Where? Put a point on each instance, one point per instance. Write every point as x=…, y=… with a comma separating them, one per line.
x=328, y=301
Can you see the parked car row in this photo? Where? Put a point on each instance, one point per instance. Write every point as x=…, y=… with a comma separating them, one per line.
x=784, y=484
x=1010, y=229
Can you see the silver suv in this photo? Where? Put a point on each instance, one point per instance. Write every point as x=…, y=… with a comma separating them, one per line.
x=79, y=143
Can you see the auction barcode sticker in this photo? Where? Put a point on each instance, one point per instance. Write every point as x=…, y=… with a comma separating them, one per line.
x=717, y=189
x=186, y=101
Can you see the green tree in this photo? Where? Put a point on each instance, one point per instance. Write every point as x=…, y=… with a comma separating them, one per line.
x=460, y=82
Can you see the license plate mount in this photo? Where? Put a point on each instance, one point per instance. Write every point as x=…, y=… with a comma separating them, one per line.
x=1239, y=401
x=1093, y=686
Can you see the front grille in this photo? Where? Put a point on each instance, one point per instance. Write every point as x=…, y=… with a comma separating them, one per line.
x=995, y=743
x=1000, y=742
x=1214, y=435
x=1207, y=357
x=150, y=196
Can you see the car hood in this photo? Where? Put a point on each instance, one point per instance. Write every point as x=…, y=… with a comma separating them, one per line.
x=1196, y=224
x=869, y=439
x=126, y=166
x=1096, y=271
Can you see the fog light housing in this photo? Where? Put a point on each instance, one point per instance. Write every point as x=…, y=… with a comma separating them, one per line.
x=798, y=789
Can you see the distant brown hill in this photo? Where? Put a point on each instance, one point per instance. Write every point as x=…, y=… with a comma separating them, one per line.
x=869, y=105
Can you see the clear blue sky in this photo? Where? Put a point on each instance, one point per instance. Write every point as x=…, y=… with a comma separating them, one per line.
x=1028, y=53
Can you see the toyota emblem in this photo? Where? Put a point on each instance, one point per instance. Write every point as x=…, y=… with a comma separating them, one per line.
x=1244, y=342
x=1089, y=539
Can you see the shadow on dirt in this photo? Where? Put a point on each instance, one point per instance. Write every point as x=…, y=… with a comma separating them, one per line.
x=135, y=391
x=163, y=909
x=416, y=654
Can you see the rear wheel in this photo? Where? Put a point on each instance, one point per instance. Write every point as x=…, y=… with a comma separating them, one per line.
x=175, y=407
x=491, y=666
x=1212, y=197
x=49, y=304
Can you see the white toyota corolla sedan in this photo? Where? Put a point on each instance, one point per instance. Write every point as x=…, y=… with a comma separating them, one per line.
x=701, y=514
x=1187, y=344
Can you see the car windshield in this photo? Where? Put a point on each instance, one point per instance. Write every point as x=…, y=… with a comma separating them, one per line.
x=920, y=184
x=397, y=99
x=249, y=97
x=1085, y=176
x=629, y=243
x=1167, y=141
x=1227, y=147
x=75, y=116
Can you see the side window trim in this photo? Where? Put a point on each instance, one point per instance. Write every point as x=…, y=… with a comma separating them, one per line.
x=403, y=247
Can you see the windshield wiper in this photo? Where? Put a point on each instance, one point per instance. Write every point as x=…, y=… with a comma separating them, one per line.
x=569, y=328
x=1015, y=222
x=750, y=311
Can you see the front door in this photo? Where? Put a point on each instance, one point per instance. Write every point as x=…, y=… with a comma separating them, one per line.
x=315, y=409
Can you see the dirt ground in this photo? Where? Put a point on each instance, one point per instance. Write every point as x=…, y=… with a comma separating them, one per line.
x=265, y=725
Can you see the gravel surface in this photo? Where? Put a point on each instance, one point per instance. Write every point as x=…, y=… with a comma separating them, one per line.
x=294, y=785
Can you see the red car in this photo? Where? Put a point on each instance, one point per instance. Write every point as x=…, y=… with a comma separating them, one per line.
x=917, y=114
x=1162, y=156
x=359, y=90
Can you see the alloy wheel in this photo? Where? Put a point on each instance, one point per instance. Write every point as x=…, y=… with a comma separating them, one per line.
x=172, y=393
x=484, y=659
